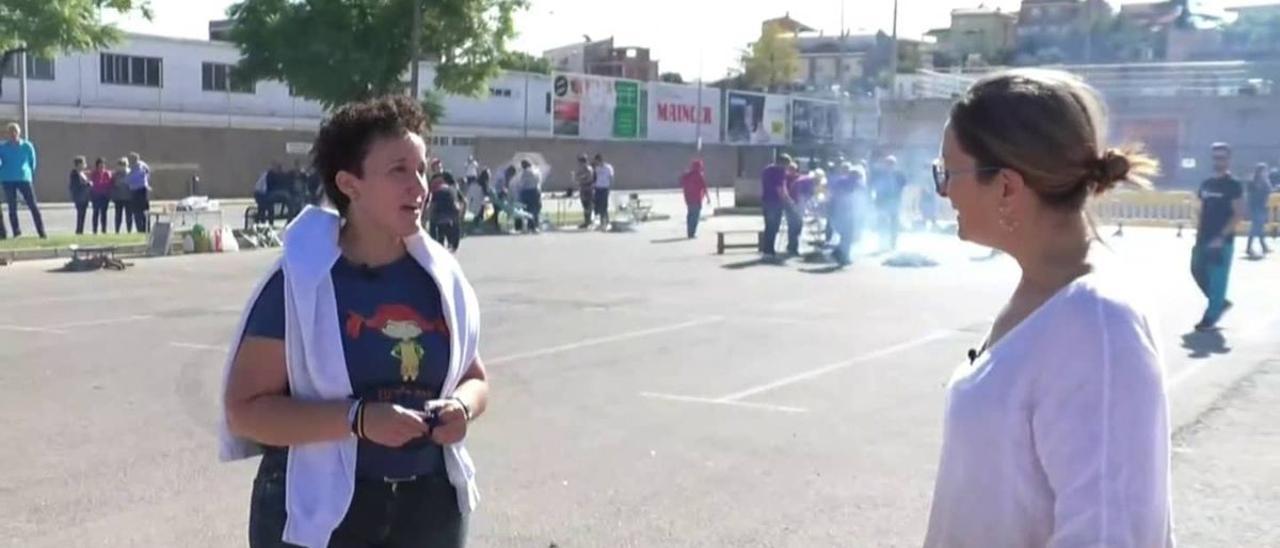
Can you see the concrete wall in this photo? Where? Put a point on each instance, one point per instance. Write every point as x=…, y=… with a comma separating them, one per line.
x=228, y=160
x=637, y=165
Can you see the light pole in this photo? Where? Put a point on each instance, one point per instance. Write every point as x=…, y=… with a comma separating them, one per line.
x=22, y=91
x=415, y=39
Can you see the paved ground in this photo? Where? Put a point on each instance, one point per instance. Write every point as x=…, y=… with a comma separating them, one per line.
x=646, y=393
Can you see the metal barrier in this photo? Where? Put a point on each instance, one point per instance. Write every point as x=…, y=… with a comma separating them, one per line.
x=1178, y=209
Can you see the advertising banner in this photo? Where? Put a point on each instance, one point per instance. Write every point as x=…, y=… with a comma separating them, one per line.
x=594, y=107
x=756, y=119
x=814, y=122
x=676, y=114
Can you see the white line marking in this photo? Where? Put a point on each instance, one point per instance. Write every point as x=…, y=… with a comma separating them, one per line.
x=24, y=329
x=714, y=401
x=106, y=321
x=195, y=346
x=837, y=366
x=602, y=340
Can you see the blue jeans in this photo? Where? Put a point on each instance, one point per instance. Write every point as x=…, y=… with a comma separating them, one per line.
x=11, y=191
x=692, y=218
x=1257, y=230
x=422, y=513
x=772, y=223
x=1211, y=269
x=843, y=225
x=531, y=198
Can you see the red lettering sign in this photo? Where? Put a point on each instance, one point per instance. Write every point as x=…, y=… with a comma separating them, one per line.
x=682, y=114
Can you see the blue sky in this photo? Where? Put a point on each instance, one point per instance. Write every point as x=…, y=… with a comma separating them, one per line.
x=686, y=36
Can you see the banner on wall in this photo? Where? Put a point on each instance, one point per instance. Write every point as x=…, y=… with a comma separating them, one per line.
x=754, y=118
x=676, y=114
x=814, y=122
x=593, y=107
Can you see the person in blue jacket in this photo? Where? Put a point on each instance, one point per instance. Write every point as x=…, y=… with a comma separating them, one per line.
x=17, y=171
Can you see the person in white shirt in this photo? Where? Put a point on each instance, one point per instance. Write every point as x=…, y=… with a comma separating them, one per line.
x=604, y=182
x=530, y=185
x=473, y=170
x=1056, y=431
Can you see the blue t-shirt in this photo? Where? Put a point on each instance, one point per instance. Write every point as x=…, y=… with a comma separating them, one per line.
x=396, y=344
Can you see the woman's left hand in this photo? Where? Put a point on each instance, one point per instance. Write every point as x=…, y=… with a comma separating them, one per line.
x=451, y=425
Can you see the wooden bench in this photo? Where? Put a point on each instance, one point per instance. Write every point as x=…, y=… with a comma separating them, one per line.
x=722, y=236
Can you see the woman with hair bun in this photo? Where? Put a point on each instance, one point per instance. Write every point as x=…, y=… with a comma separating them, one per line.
x=1056, y=430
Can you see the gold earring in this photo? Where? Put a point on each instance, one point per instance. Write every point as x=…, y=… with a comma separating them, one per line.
x=1007, y=223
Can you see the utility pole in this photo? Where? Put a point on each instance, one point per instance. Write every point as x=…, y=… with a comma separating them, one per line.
x=893, y=55
x=415, y=39
x=22, y=92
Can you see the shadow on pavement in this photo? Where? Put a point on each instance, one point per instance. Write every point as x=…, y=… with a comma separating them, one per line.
x=756, y=261
x=670, y=240
x=829, y=269
x=1203, y=344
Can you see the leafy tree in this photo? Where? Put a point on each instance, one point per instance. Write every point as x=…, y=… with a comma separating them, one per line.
x=524, y=62
x=671, y=78
x=773, y=61
x=335, y=51
x=45, y=28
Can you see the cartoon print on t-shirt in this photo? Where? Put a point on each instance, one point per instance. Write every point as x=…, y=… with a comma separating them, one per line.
x=403, y=324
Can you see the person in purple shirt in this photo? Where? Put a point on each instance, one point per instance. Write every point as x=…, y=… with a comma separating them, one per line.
x=774, y=200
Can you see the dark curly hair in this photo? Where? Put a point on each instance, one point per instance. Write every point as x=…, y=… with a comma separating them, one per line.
x=345, y=138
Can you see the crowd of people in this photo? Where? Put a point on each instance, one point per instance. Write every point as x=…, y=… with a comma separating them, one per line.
x=479, y=201
x=854, y=196
x=127, y=187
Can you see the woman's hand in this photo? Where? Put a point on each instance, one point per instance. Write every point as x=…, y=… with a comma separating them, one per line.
x=392, y=425
x=451, y=425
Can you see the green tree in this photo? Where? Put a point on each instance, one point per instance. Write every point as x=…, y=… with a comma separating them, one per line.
x=335, y=51
x=773, y=61
x=671, y=78
x=45, y=28
x=524, y=62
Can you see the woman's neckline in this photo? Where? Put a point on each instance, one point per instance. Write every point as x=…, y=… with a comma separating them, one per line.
x=989, y=348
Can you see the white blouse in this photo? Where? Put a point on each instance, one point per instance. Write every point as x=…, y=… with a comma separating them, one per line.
x=1058, y=436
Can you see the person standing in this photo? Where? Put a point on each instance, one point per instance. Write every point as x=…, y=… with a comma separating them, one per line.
x=446, y=206
x=472, y=171
x=79, y=186
x=530, y=184
x=477, y=191
x=774, y=198
x=604, y=184
x=100, y=194
x=360, y=382
x=122, y=195
x=585, y=177
x=793, y=214
x=849, y=180
x=694, y=185
x=1221, y=209
x=888, y=183
x=17, y=172
x=1259, y=195
x=1056, y=432
x=140, y=186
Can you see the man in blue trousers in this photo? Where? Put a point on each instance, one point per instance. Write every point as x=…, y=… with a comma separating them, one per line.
x=1221, y=209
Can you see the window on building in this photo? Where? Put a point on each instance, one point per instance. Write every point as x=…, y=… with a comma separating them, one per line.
x=37, y=68
x=223, y=77
x=128, y=70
